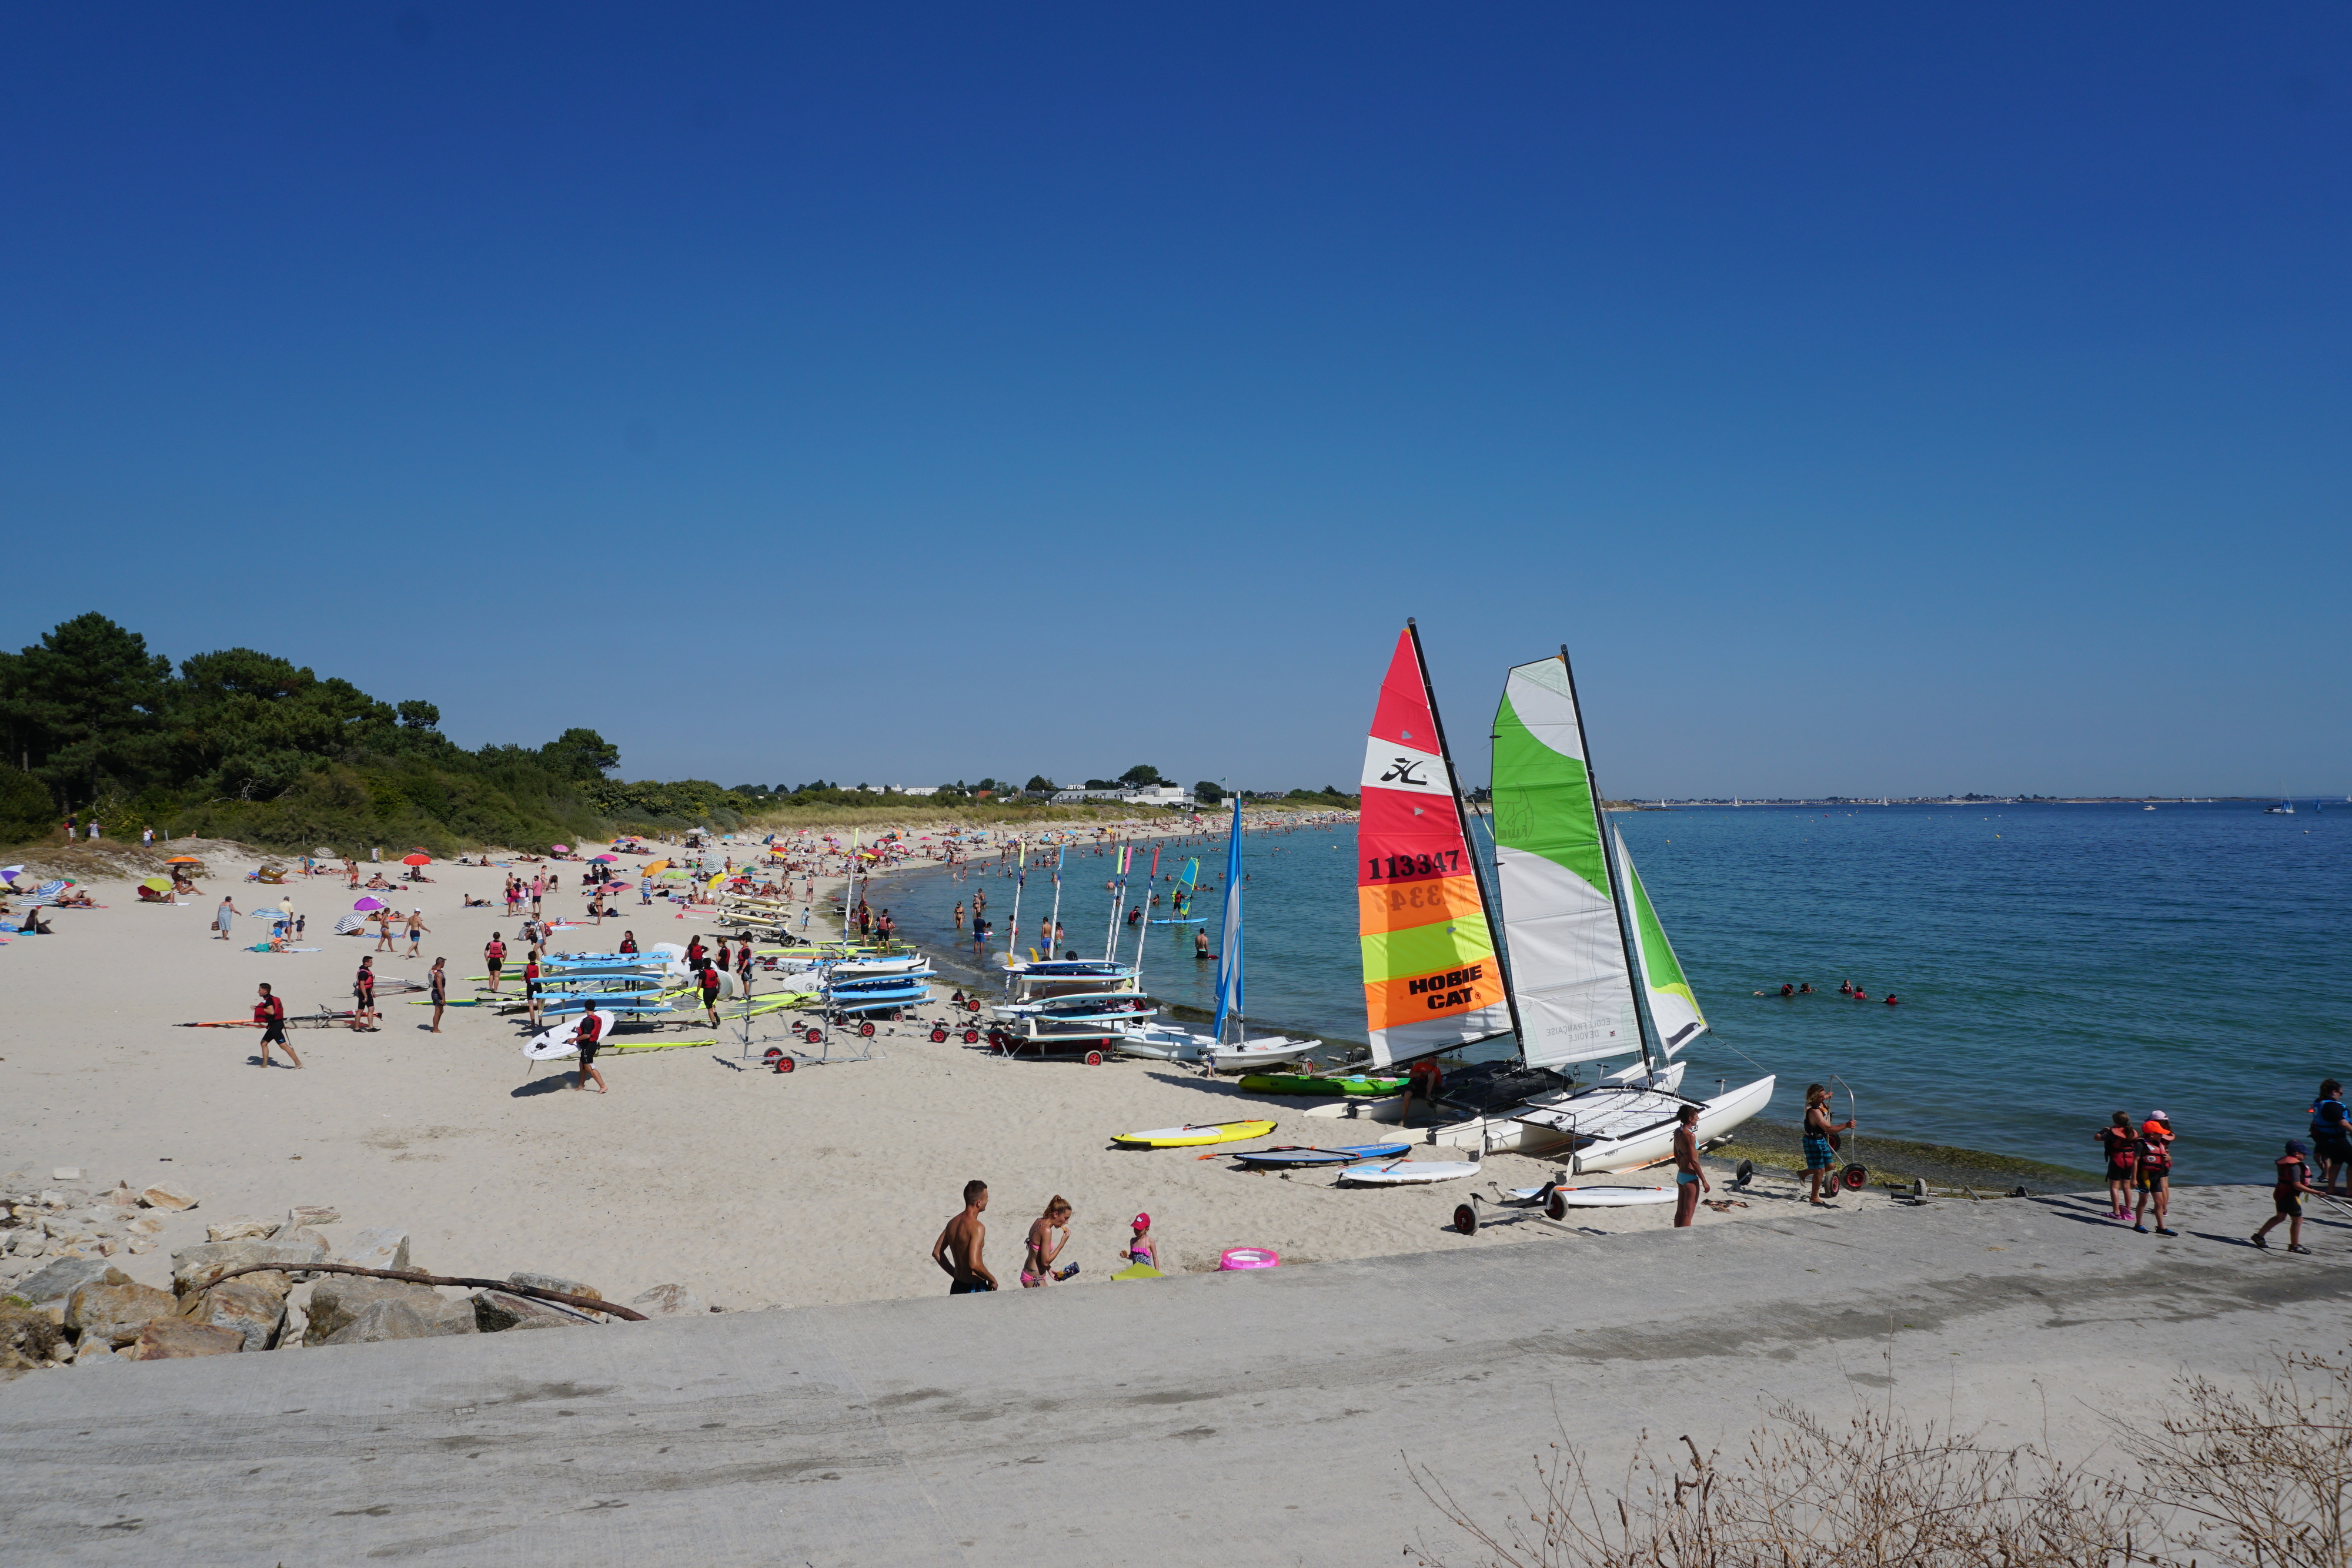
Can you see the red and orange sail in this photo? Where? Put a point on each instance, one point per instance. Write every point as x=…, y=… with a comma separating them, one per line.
x=1431, y=976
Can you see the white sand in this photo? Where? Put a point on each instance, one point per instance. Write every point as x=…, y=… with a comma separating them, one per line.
x=752, y=1188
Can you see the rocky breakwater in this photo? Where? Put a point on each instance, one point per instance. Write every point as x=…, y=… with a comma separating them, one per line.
x=271, y=1285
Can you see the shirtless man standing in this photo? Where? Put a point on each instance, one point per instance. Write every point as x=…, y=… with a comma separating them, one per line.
x=957, y=1249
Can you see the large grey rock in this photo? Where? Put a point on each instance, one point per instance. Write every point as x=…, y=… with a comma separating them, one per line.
x=47, y=1289
x=97, y=1353
x=336, y=1298
x=193, y=1267
x=496, y=1311
x=175, y=1339
x=111, y=1308
x=164, y=1195
x=381, y=1247
x=30, y=1242
x=252, y=1304
x=406, y=1318
x=668, y=1302
x=554, y=1283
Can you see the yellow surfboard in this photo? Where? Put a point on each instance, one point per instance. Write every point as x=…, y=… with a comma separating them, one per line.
x=1192, y=1138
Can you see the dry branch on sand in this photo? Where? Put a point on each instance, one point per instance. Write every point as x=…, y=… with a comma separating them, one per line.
x=2254, y=1478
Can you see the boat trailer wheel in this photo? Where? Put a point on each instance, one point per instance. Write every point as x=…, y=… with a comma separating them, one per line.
x=1466, y=1219
x=1855, y=1177
x=865, y=1028
x=939, y=1035
x=1094, y=1058
x=816, y=1036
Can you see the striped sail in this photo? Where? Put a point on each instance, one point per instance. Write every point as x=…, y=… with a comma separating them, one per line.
x=1673, y=1009
x=1430, y=978
x=1568, y=956
x=1229, y=940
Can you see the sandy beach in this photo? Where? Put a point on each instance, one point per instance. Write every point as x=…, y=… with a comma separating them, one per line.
x=752, y=1188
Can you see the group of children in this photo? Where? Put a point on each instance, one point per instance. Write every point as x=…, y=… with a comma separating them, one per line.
x=2139, y=1159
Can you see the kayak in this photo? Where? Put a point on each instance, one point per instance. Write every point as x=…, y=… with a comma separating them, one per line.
x=1298, y=1083
x=1192, y=1137
x=1347, y=1155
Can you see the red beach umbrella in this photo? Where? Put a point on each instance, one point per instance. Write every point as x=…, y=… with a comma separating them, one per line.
x=416, y=859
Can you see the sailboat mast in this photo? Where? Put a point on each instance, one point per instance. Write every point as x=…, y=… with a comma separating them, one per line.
x=1486, y=904
x=1608, y=858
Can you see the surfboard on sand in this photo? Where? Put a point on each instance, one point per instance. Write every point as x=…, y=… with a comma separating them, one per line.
x=1600, y=1197
x=1346, y=1155
x=1192, y=1138
x=1407, y=1173
x=549, y=1043
x=1137, y=1271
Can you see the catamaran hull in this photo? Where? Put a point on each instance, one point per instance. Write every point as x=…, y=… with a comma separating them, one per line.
x=1647, y=1143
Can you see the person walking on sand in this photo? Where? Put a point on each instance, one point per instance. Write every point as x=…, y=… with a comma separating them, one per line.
x=2122, y=1146
x=363, y=994
x=709, y=980
x=530, y=985
x=416, y=930
x=2286, y=1197
x=1689, y=1179
x=589, y=1037
x=494, y=954
x=2155, y=1172
x=957, y=1249
x=270, y=1014
x=383, y=918
x=438, y=982
x=1048, y=1234
x=1820, y=1144
x=225, y=917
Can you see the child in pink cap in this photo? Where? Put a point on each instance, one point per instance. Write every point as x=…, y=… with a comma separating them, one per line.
x=1138, y=1248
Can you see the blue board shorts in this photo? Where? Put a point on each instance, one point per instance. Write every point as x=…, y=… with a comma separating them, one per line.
x=1818, y=1155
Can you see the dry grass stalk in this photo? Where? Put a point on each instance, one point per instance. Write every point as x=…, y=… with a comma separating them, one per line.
x=2252, y=1477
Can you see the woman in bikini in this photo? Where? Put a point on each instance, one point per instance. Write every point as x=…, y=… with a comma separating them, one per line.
x=1048, y=1234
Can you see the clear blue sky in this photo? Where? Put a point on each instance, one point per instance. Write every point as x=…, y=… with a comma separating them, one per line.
x=1874, y=398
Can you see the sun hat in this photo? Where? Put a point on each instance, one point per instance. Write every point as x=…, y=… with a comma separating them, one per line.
x=2157, y=1116
x=1141, y=1222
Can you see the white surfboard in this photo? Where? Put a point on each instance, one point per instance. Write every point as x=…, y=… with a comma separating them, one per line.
x=1408, y=1173
x=1600, y=1197
x=549, y=1043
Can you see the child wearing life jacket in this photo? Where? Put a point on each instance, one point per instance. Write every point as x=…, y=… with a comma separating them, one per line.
x=2286, y=1197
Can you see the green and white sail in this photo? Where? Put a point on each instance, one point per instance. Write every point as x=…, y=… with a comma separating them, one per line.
x=1673, y=1008
x=1568, y=957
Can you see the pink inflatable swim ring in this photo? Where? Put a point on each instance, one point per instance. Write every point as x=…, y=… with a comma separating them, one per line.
x=1238, y=1257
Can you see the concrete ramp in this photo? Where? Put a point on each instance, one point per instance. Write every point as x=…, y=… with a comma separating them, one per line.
x=1234, y=1420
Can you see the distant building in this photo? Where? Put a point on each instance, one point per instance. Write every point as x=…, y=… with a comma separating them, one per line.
x=913, y=789
x=1146, y=795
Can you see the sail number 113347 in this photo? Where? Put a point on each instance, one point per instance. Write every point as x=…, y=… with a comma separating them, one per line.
x=1396, y=867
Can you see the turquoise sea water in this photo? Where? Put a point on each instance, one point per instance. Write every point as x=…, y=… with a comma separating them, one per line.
x=2055, y=963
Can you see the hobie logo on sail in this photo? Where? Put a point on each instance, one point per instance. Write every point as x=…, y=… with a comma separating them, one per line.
x=1389, y=766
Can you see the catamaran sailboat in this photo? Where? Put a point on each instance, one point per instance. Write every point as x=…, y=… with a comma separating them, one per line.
x=1587, y=959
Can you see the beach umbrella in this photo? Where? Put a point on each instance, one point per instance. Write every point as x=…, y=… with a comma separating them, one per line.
x=184, y=860
x=349, y=924
x=601, y=860
x=655, y=868
x=11, y=872
x=51, y=889
x=416, y=859
x=369, y=905
x=324, y=853
x=560, y=849
x=159, y=884
x=673, y=875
